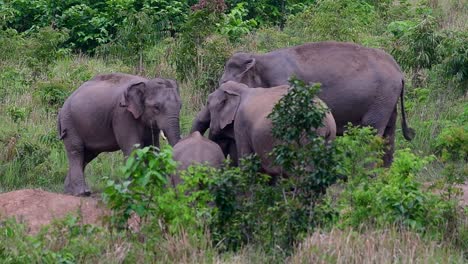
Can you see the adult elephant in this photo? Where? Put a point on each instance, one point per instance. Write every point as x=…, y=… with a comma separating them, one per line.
x=244, y=111
x=360, y=85
x=112, y=112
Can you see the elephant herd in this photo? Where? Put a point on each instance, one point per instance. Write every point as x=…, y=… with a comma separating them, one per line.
x=116, y=111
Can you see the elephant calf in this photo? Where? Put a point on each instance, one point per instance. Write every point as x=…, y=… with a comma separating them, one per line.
x=112, y=112
x=196, y=149
x=240, y=111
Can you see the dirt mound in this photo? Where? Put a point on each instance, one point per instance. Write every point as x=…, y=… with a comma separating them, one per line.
x=37, y=208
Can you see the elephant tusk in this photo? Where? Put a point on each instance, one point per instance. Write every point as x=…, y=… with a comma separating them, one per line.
x=162, y=135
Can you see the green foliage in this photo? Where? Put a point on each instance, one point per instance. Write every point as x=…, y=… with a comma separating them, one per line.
x=185, y=208
x=395, y=197
x=452, y=143
x=146, y=172
x=295, y=119
x=44, y=47
x=272, y=212
x=90, y=23
x=454, y=53
x=66, y=241
x=360, y=152
x=234, y=25
x=17, y=114
x=415, y=47
x=342, y=20
x=52, y=94
x=199, y=53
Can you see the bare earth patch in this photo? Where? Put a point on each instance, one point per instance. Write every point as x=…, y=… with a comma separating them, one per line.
x=37, y=208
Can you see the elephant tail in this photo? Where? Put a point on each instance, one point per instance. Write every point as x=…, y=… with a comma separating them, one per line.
x=61, y=133
x=408, y=132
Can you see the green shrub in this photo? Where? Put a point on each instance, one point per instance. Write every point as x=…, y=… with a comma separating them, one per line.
x=199, y=53
x=13, y=83
x=454, y=53
x=342, y=20
x=452, y=143
x=415, y=47
x=137, y=33
x=234, y=25
x=147, y=192
x=359, y=153
x=52, y=94
x=394, y=197
x=17, y=114
x=146, y=172
x=276, y=213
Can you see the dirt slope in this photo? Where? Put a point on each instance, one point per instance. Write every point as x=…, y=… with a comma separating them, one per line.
x=38, y=208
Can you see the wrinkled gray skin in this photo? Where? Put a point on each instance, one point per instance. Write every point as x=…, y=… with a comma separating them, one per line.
x=112, y=112
x=235, y=106
x=196, y=149
x=360, y=85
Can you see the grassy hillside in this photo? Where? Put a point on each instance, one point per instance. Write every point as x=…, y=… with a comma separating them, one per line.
x=40, y=66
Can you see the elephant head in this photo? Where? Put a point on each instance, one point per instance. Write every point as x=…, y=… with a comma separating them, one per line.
x=223, y=104
x=242, y=68
x=156, y=103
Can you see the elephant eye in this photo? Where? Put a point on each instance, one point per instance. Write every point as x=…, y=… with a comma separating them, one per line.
x=157, y=109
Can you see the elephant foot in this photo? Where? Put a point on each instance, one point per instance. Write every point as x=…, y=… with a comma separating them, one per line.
x=83, y=192
x=86, y=193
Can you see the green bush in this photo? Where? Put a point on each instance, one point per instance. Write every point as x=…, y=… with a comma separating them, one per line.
x=90, y=23
x=276, y=213
x=138, y=32
x=452, y=143
x=52, y=94
x=17, y=114
x=359, y=153
x=234, y=25
x=454, y=53
x=13, y=82
x=342, y=20
x=415, y=47
x=200, y=53
x=394, y=197
x=146, y=172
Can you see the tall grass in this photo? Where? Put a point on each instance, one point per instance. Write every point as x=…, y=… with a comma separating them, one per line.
x=381, y=246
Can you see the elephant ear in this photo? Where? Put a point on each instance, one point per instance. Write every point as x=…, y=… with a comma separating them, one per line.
x=249, y=64
x=133, y=99
x=229, y=110
x=172, y=84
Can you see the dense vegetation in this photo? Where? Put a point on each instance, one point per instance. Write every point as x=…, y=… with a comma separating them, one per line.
x=48, y=48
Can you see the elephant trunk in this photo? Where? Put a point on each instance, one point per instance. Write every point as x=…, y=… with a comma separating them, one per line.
x=173, y=131
x=202, y=121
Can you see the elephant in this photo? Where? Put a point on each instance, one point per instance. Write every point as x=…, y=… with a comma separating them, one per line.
x=238, y=110
x=360, y=85
x=196, y=149
x=115, y=111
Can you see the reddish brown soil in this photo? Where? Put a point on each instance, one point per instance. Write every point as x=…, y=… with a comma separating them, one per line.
x=37, y=208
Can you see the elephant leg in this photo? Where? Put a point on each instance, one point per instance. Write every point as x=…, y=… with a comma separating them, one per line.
x=243, y=146
x=75, y=183
x=88, y=157
x=233, y=153
x=389, y=136
x=384, y=122
x=128, y=139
